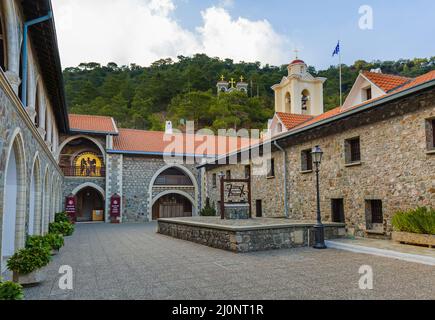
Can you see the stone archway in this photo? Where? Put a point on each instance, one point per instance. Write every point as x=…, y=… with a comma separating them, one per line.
x=46, y=203
x=177, y=187
x=173, y=204
x=14, y=199
x=89, y=197
x=35, y=198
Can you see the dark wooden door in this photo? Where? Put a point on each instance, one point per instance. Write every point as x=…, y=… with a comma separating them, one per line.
x=259, y=208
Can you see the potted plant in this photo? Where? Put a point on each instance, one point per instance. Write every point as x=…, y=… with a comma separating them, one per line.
x=55, y=241
x=64, y=228
x=11, y=291
x=26, y=265
x=415, y=227
x=208, y=211
x=61, y=217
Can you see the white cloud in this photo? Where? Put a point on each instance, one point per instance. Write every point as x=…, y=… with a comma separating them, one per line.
x=143, y=31
x=240, y=39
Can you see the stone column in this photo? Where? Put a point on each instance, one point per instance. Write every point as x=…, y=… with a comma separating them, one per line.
x=14, y=38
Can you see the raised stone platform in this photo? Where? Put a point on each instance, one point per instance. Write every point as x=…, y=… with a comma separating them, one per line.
x=256, y=234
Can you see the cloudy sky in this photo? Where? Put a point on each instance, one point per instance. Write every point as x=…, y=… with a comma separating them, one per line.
x=143, y=31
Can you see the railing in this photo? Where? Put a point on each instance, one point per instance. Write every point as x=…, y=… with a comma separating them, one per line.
x=71, y=171
x=173, y=180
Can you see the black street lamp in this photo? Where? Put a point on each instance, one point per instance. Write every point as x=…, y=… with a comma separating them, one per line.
x=319, y=229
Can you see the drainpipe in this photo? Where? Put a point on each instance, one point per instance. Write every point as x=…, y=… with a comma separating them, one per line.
x=285, y=177
x=25, y=62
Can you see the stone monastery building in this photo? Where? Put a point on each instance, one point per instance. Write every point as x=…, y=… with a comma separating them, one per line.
x=379, y=148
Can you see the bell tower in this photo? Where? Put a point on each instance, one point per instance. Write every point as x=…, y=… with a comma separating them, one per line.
x=299, y=92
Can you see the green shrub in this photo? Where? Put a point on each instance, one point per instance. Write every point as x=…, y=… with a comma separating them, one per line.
x=64, y=228
x=11, y=291
x=36, y=241
x=28, y=260
x=52, y=241
x=208, y=210
x=61, y=217
x=420, y=220
x=55, y=240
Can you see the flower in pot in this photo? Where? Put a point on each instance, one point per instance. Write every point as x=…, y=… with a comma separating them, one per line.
x=26, y=264
x=11, y=291
x=64, y=228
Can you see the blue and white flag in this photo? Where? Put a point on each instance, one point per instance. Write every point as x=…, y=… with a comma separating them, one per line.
x=337, y=49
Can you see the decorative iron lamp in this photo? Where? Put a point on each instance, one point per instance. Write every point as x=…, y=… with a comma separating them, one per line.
x=319, y=228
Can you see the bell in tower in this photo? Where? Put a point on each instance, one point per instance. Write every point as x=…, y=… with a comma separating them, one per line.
x=299, y=92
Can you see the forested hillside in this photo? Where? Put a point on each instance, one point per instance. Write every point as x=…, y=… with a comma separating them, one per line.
x=143, y=97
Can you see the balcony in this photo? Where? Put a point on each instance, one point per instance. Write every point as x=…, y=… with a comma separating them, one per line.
x=173, y=180
x=90, y=172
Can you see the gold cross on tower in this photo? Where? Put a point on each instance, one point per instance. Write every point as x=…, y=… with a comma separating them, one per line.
x=242, y=78
x=222, y=78
x=232, y=82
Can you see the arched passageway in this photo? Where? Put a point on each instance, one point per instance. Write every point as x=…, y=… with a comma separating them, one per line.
x=90, y=205
x=172, y=205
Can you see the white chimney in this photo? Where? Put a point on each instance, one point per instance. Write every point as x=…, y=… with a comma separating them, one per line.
x=269, y=124
x=168, y=128
x=377, y=70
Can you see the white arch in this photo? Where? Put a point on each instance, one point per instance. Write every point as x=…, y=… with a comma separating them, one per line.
x=34, y=195
x=169, y=166
x=53, y=188
x=95, y=141
x=91, y=185
x=13, y=212
x=185, y=171
x=46, y=199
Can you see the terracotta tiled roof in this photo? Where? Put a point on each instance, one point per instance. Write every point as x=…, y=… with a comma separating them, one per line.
x=157, y=142
x=87, y=123
x=419, y=80
x=410, y=83
x=291, y=120
x=386, y=82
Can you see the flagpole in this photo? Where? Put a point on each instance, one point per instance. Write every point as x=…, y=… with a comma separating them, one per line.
x=341, y=87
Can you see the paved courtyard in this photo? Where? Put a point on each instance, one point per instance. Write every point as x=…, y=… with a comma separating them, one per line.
x=133, y=262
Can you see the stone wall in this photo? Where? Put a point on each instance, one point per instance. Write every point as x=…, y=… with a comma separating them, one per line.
x=138, y=172
x=396, y=166
x=16, y=126
x=256, y=239
x=268, y=190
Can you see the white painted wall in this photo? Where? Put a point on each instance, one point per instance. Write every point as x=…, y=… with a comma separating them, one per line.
x=10, y=207
x=32, y=203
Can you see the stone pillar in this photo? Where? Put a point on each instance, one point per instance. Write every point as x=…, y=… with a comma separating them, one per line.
x=114, y=163
x=14, y=38
x=31, y=88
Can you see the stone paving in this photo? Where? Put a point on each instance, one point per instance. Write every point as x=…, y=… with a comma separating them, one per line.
x=131, y=261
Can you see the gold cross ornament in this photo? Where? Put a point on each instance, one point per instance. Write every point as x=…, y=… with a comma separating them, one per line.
x=232, y=82
x=222, y=78
x=242, y=78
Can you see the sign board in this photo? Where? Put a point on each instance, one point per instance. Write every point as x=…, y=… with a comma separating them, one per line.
x=71, y=207
x=235, y=191
x=115, y=208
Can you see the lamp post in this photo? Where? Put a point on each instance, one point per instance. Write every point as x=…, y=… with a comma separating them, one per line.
x=221, y=176
x=319, y=229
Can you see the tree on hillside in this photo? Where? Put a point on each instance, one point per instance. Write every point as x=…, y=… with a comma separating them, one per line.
x=143, y=97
